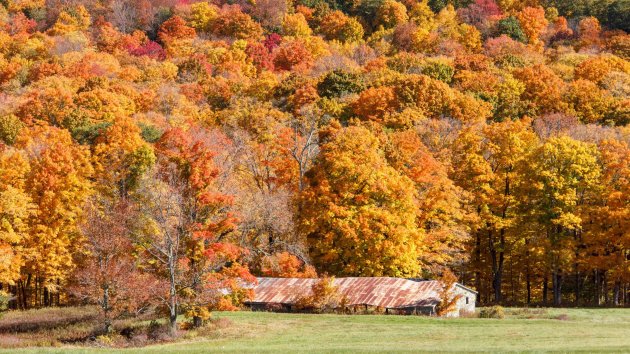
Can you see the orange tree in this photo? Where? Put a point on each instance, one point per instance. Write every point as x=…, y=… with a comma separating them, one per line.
x=359, y=213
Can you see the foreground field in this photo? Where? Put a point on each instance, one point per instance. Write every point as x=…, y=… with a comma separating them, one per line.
x=565, y=330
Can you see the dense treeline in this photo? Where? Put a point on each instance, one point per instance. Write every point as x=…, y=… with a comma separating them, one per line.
x=156, y=153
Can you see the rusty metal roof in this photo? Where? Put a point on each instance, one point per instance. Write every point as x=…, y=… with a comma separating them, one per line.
x=382, y=291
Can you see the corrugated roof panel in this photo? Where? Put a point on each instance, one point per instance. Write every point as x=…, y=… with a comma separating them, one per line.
x=373, y=291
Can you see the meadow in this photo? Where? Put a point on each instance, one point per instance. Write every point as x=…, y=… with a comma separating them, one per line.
x=522, y=330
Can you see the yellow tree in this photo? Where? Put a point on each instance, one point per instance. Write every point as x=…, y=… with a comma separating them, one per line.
x=488, y=167
x=336, y=25
x=358, y=213
x=121, y=156
x=58, y=183
x=439, y=201
x=391, y=13
x=563, y=173
x=607, y=235
x=15, y=211
x=587, y=101
x=76, y=19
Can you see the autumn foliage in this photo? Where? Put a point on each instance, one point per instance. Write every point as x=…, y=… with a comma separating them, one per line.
x=324, y=297
x=197, y=145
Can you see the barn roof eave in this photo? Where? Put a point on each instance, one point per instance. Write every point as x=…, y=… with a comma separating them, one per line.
x=466, y=288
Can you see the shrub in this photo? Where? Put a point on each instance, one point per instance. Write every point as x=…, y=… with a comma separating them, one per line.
x=492, y=312
x=157, y=331
x=324, y=298
x=104, y=340
x=448, y=298
x=528, y=313
x=5, y=297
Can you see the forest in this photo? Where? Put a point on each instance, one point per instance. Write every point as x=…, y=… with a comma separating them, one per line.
x=162, y=154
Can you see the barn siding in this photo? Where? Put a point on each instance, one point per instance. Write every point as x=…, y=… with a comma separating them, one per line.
x=466, y=303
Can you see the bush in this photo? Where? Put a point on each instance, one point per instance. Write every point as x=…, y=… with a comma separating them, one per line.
x=104, y=340
x=528, y=313
x=158, y=331
x=5, y=297
x=492, y=312
x=324, y=298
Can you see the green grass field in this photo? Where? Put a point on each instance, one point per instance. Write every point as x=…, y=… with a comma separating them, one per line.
x=562, y=330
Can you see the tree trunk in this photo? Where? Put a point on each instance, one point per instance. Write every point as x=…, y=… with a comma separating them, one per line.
x=46, y=297
x=107, y=321
x=497, y=280
x=498, y=265
x=528, y=276
x=605, y=288
x=545, y=290
x=557, y=287
x=478, y=264
x=616, y=293
x=578, y=240
x=173, y=321
x=25, y=288
x=172, y=298
x=598, y=296
x=18, y=293
x=529, y=287
x=577, y=286
x=37, y=292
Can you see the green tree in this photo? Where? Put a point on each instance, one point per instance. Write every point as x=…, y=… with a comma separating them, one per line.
x=511, y=28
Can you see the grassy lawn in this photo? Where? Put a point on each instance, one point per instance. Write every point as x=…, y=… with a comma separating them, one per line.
x=564, y=330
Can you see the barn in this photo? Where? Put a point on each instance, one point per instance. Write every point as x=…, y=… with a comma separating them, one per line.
x=391, y=295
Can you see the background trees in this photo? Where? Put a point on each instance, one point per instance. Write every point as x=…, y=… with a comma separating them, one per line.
x=374, y=138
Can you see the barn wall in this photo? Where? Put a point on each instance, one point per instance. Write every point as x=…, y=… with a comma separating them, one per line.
x=466, y=304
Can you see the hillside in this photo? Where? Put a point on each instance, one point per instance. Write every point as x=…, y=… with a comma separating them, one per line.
x=157, y=156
